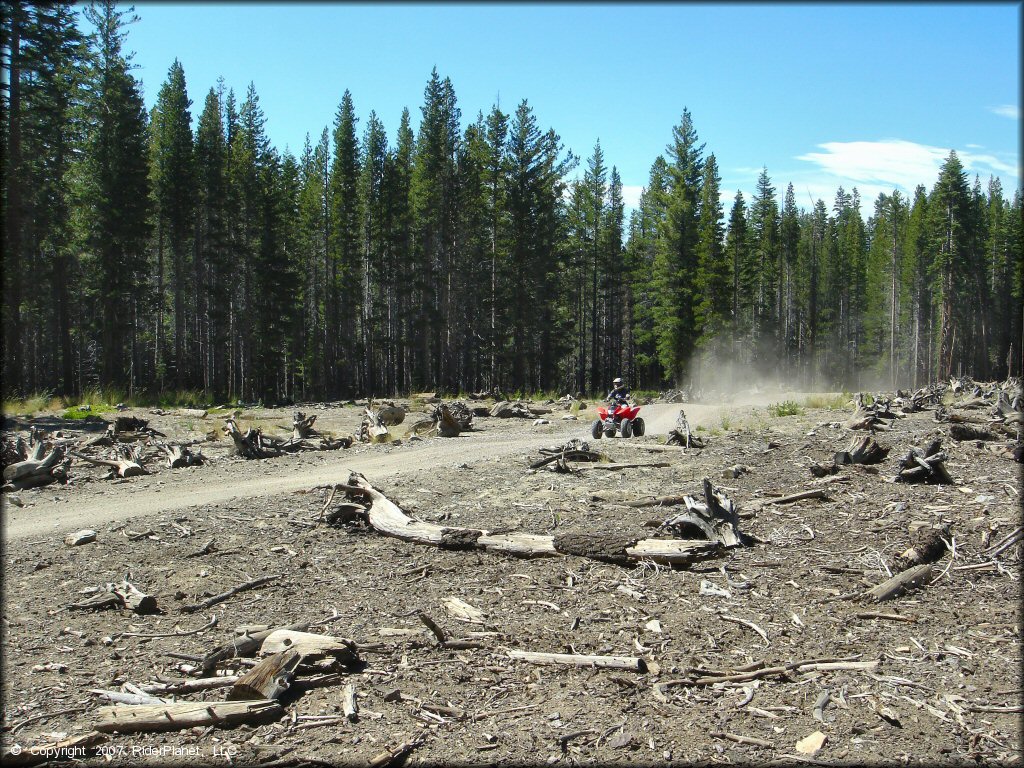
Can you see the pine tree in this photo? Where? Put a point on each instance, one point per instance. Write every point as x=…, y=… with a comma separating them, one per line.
x=173, y=183
x=948, y=205
x=676, y=260
x=346, y=256
x=115, y=197
x=212, y=255
x=712, y=282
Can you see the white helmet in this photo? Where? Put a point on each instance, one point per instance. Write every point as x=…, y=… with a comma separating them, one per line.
x=616, y=381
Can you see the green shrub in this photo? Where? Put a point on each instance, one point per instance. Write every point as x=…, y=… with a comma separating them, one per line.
x=785, y=408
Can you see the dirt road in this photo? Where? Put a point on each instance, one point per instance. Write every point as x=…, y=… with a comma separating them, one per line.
x=58, y=511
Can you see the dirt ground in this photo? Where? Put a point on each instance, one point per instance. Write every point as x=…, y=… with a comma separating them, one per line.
x=947, y=689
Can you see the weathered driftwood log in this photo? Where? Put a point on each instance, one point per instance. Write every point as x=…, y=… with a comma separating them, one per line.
x=268, y=679
x=181, y=456
x=862, y=450
x=927, y=545
x=126, y=462
x=900, y=583
x=309, y=645
x=386, y=517
x=184, y=714
x=302, y=425
x=122, y=595
x=39, y=468
x=245, y=645
x=629, y=663
x=924, y=465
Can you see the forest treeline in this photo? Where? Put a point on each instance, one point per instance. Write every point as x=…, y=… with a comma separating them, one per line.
x=146, y=251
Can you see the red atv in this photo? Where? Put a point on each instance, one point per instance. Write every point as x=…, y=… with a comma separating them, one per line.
x=622, y=418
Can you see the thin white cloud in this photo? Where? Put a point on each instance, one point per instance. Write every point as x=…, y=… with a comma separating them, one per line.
x=631, y=195
x=899, y=164
x=1011, y=111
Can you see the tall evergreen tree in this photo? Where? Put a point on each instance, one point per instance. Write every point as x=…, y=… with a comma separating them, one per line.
x=115, y=196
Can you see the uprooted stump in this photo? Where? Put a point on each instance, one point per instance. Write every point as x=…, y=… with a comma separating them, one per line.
x=372, y=429
x=862, y=450
x=302, y=425
x=386, y=517
x=682, y=435
x=126, y=461
x=446, y=421
x=181, y=456
x=924, y=465
x=38, y=468
x=715, y=520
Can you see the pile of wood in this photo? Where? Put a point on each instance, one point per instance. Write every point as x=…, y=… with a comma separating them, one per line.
x=40, y=464
x=871, y=417
x=253, y=444
x=556, y=457
x=125, y=461
x=924, y=465
x=287, y=659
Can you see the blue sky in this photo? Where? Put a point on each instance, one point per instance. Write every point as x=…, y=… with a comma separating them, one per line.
x=823, y=95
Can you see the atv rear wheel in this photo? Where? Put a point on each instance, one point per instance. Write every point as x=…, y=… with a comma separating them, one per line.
x=597, y=429
x=626, y=429
x=638, y=427
x=609, y=431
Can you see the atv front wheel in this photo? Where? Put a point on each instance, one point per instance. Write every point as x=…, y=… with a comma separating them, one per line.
x=626, y=429
x=597, y=429
x=638, y=427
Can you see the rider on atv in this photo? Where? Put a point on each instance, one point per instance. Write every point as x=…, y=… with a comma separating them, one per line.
x=619, y=393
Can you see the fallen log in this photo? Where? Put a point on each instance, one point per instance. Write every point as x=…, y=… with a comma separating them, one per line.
x=309, y=645
x=629, y=663
x=268, y=679
x=184, y=714
x=900, y=583
x=387, y=518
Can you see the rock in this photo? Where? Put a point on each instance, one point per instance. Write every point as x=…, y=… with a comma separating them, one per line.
x=81, y=537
